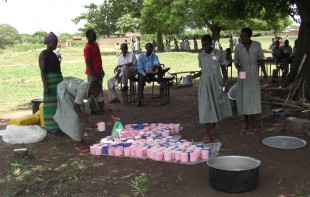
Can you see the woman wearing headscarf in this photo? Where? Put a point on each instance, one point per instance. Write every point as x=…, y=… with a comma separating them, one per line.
x=51, y=75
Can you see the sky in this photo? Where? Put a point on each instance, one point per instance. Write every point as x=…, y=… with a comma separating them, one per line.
x=29, y=16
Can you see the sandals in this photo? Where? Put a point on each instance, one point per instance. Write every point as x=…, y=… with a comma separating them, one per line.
x=206, y=139
x=249, y=131
x=82, y=149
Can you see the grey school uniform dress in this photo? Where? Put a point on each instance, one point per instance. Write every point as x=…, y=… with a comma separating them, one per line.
x=248, y=90
x=213, y=102
x=70, y=91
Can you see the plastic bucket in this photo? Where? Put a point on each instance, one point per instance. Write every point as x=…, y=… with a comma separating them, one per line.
x=36, y=103
x=186, y=80
x=232, y=93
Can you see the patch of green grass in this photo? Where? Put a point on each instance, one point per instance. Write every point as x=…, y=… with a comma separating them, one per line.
x=20, y=79
x=300, y=191
x=138, y=185
x=46, y=178
x=19, y=164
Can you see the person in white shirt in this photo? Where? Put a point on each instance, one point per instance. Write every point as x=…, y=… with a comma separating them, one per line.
x=125, y=69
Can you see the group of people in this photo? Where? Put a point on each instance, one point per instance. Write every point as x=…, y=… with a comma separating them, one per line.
x=183, y=46
x=63, y=97
x=283, y=55
x=146, y=67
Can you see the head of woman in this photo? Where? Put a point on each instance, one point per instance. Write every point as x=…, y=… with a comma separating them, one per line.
x=246, y=34
x=51, y=41
x=206, y=42
x=95, y=88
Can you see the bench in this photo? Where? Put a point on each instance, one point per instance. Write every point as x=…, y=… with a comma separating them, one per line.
x=130, y=96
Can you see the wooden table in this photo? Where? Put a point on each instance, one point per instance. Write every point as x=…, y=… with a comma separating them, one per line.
x=269, y=63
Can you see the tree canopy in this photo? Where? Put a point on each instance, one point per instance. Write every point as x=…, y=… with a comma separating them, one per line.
x=103, y=18
x=234, y=14
x=8, y=35
x=127, y=23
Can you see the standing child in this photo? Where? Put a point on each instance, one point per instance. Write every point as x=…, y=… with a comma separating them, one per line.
x=213, y=102
x=246, y=58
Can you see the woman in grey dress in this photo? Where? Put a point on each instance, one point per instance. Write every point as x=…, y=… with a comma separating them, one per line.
x=213, y=101
x=69, y=116
x=248, y=96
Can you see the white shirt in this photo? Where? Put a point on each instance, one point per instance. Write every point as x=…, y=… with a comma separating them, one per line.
x=129, y=58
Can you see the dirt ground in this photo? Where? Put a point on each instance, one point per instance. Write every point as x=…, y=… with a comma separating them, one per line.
x=283, y=173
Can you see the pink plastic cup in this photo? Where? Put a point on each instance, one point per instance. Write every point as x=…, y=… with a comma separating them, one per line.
x=172, y=155
x=128, y=126
x=101, y=126
x=242, y=75
x=184, y=157
x=151, y=153
x=98, y=150
x=111, y=151
x=167, y=156
x=127, y=151
x=177, y=128
x=204, y=154
x=177, y=155
x=158, y=155
x=139, y=153
x=133, y=151
x=93, y=149
x=193, y=156
x=118, y=151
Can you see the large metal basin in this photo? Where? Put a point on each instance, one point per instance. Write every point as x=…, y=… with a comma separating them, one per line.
x=234, y=173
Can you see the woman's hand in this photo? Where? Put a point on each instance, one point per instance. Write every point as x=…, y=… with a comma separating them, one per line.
x=114, y=119
x=46, y=90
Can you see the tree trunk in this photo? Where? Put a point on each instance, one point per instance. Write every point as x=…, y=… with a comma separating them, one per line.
x=216, y=30
x=160, y=41
x=302, y=48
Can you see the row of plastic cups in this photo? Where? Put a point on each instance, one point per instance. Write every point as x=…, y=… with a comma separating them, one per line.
x=175, y=128
x=155, y=153
x=96, y=149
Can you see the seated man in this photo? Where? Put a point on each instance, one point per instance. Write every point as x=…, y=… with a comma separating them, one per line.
x=148, y=67
x=276, y=54
x=286, y=51
x=125, y=69
x=69, y=116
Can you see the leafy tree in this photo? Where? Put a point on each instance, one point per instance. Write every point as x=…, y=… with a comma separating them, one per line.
x=39, y=36
x=220, y=15
x=162, y=16
x=8, y=35
x=299, y=74
x=103, y=18
x=127, y=23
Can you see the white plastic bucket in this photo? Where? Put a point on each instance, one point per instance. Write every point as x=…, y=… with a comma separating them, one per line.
x=232, y=93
